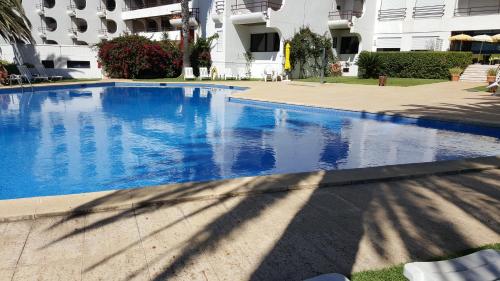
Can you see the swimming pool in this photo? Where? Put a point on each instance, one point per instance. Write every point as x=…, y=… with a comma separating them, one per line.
x=77, y=139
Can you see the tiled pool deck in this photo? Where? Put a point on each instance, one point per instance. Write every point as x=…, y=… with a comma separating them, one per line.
x=282, y=227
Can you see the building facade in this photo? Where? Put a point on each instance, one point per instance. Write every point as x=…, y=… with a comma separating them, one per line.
x=65, y=30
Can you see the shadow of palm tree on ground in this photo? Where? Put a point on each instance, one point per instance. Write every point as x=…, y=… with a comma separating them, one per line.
x=294, y=235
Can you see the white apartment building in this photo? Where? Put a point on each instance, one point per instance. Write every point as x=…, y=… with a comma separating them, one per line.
x=65, y=30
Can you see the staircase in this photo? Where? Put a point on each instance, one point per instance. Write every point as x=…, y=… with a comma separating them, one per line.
x=475, y=73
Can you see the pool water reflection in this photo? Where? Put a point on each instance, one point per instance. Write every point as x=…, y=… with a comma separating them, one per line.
x=103, y=138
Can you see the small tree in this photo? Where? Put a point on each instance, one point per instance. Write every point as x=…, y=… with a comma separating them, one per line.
x=249, y=58
x=200, y=53
x=307, y=52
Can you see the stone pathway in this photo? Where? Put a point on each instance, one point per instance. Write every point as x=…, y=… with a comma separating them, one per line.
x=279, y=236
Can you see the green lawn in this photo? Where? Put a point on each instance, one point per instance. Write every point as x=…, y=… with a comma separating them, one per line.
x=401, y=82
x=478, y=89
x=395, y=273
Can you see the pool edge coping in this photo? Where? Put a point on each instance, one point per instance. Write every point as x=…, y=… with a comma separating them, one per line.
x=255, y=102
x=130, y=199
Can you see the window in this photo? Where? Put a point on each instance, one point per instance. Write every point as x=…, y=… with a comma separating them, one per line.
x=48, y=63
x=265, y=42
x=349, y=45
x=78, y=64
x=388, y=49
x=334, y=42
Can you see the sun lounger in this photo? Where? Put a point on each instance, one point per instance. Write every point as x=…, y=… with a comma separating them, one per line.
x=204, y=74
x=242, y=74
x=188, y=74
x=480, y=266
x=329, y=277
x=42, y=72
x=228, y=74
x=26, y=74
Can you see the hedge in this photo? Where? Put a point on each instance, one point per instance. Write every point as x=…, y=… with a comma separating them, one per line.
x=422, y=65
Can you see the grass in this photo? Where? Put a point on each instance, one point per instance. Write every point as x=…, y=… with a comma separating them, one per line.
x=395, y=273
x=477, y=89
x=400, y=82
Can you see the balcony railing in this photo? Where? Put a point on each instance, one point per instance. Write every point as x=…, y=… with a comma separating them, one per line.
x=392, y=14
x=254, y=6
x=72, y=30
x=102, y=31
x=475, y=11
x=435, y=11
x=136, y=6
x=193, y=13
x=344, y=15
x=42, y=29
x=219, y=7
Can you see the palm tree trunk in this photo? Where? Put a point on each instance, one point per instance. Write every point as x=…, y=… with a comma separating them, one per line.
x=185, y=33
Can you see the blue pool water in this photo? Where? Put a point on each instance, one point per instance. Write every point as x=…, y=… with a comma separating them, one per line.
x=64, y=141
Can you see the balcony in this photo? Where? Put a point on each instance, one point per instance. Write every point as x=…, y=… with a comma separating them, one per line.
x=72, y=33
x=392, y=14
x=42, y=32
x=176, y=17
x=102, y=34
x=131, y=6
x=71, y=10
x=477, y=11
x=252, y=12
x=342, y=19
x=435, y=11
x=101, y=12
x=40, y=9
x=219, y=11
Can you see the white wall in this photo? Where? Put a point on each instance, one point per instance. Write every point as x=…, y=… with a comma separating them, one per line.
x=60, y=54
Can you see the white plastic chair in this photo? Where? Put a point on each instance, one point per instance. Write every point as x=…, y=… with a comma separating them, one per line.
x=242, y=74
x=188, y=74
x=26, y=74
x=204, y=74
x=268, y=74
x=43, y=73
x=228, y=74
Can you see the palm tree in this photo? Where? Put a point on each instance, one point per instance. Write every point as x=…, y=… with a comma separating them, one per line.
x=14, y=25
x=185, y=33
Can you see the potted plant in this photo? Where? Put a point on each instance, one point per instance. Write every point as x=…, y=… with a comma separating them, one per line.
x=455, y=73
x=382, y=79
x=491, y=75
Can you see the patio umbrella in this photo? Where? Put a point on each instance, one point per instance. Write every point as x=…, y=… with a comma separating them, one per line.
x=461, y=37
x=496, y=38
x=482, y=38
x=288, y=65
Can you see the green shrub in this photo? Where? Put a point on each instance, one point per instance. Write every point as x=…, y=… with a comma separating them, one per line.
x=133, y=56
x=422, y=65
x=370, y=65
x=307, y=52
x=200, y=53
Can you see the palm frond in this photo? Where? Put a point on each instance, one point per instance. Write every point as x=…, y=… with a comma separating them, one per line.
x=14, y=25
